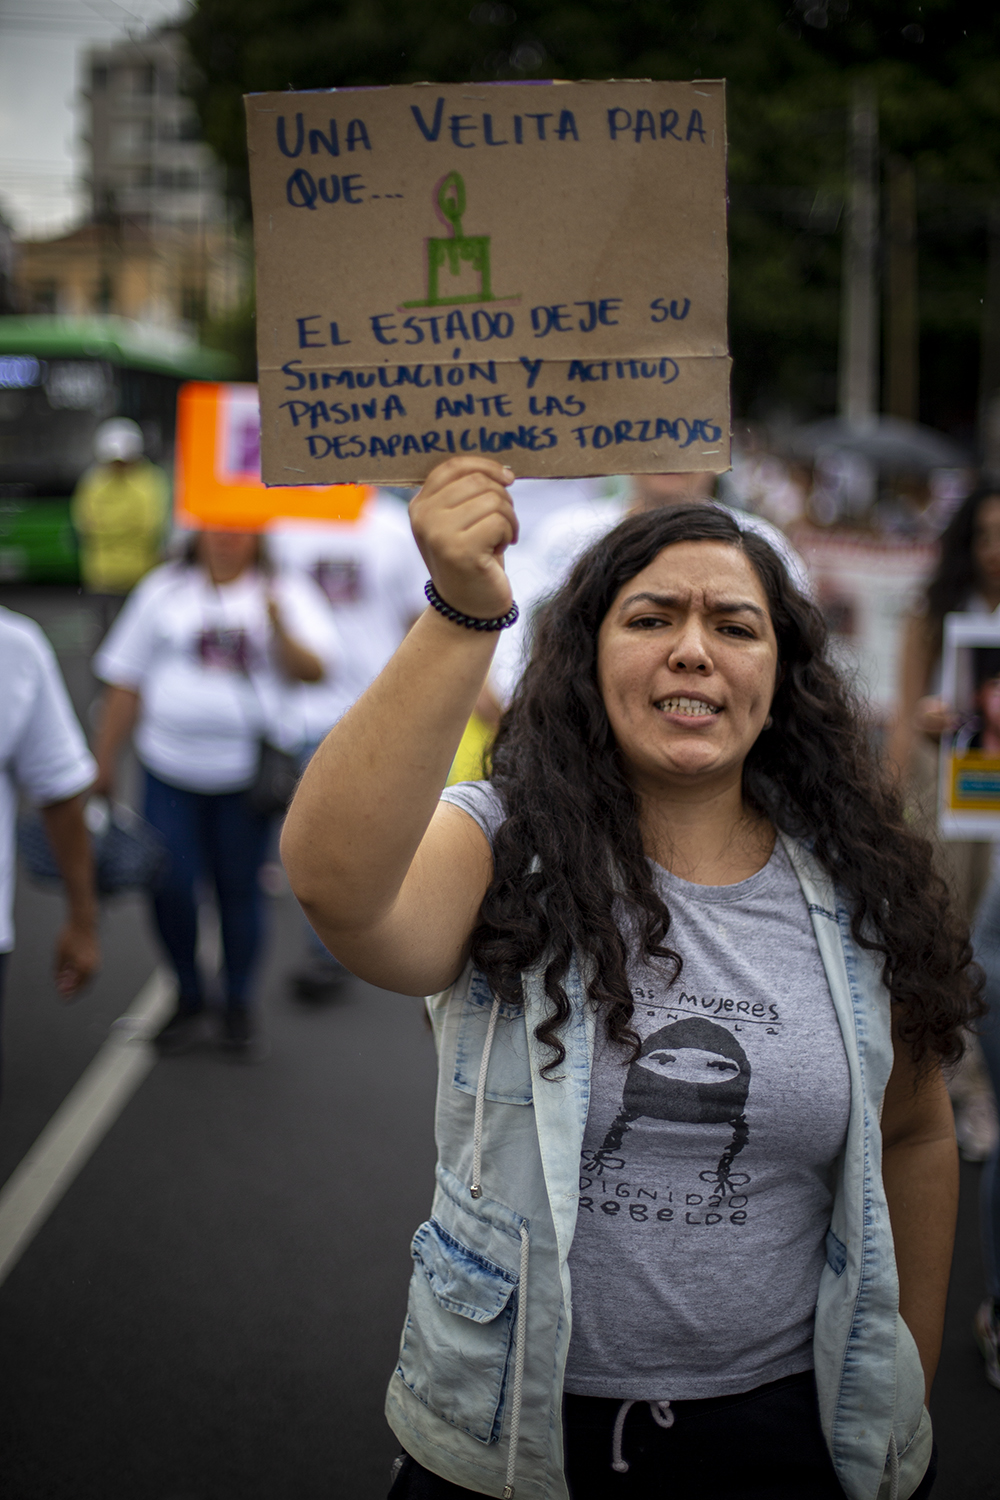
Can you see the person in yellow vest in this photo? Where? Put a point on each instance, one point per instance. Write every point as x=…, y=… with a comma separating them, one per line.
x=119, y=511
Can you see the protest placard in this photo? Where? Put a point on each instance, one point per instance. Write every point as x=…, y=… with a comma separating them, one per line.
x=532, y=271
x=969, y=803
x=217, y=479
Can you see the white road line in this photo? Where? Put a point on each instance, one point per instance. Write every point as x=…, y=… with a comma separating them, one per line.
x=80, y=1123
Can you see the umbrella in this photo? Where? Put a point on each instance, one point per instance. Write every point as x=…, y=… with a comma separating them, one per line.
x=892, y=446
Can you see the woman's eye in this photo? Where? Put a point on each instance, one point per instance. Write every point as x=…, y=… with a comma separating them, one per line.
x=646, y=622
x=738, y=630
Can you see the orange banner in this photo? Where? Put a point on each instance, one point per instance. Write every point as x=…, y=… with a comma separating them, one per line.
x=217, y=479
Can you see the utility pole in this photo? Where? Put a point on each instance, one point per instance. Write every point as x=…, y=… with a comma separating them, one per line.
x=858, y=374
x=989, y=370
x=903, y=353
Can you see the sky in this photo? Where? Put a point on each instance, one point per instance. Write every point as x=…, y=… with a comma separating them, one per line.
x=42, y=48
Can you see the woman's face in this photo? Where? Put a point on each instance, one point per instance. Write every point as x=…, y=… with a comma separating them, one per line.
x=687, y=665
x=986, y=542
x=227, y=554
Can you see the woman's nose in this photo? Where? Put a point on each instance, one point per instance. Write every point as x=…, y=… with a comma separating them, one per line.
x=690, y=655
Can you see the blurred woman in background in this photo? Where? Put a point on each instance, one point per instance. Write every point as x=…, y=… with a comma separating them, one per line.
x=967, y=580
x=205, y=662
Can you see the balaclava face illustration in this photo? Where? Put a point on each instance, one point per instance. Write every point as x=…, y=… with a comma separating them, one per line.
x=691, y=1070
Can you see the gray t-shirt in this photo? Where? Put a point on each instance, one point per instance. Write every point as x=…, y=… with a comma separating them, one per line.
x=705, y=1184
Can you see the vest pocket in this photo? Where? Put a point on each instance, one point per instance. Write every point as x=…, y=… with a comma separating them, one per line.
x=836, y=1253
x=458, y=1330
x=509, y=1078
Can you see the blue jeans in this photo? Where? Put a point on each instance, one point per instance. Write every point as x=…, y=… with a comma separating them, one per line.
x=216, y=835
x=986, y=942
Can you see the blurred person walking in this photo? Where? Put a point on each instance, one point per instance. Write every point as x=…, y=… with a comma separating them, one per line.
x=966, y=580
x=204, y=664
x=119, y=512
x=44, y=755
x=694, y=980
x=372, y=576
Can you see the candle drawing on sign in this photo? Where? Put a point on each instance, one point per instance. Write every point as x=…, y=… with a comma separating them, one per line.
x=446, y=253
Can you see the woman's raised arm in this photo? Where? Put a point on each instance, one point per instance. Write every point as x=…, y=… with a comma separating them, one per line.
x=392, y=882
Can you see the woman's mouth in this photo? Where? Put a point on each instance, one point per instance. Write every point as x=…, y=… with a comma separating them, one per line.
x=688, y=708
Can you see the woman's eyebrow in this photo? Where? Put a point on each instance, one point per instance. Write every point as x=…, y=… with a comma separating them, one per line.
x=739, y=606
x=673, y=601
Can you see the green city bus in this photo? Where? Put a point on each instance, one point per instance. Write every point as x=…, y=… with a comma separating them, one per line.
x=59, y=379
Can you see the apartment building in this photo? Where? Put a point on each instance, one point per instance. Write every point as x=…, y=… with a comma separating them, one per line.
x=159, y=246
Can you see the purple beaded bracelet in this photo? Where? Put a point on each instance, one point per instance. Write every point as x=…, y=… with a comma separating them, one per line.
x=502, y=622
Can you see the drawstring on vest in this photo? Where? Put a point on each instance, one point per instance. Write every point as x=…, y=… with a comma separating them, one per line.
x=521, y=1327
x=477, y=1128
x=893, y=1468
x=662, y=1415
x=519, y=1334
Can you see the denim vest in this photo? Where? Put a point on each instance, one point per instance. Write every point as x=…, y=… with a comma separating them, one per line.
x=477, y=1394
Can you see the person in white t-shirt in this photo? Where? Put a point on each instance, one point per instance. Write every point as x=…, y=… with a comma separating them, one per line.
x=205, y=662
x=43, y=754
x=537, y=569
x=373, y=577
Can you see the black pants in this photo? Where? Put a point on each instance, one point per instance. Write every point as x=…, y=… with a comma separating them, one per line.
x=764, y=1445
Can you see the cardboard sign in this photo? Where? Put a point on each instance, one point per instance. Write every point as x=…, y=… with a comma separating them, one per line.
x=532, y=271
x=217, y=479
x=969, y=785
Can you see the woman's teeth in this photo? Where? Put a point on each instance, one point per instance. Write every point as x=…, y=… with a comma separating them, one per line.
x=693, y=708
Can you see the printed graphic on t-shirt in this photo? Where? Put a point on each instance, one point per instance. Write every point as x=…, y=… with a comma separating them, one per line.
x=691, y=1071
x=340, y=579
x=223, y=648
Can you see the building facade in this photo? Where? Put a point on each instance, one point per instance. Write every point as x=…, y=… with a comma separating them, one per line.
x=159, y=246
x=147, y=161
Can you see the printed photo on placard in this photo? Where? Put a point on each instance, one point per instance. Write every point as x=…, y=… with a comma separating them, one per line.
x=970, y=751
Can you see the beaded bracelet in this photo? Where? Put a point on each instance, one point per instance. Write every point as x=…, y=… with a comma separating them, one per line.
x=502, y=622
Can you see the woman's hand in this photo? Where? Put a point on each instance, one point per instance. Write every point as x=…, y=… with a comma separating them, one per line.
x=297, y=661
x=933, y=716
x=77, y=957
x=77, y=954
x=104, y=782
x=463, y=522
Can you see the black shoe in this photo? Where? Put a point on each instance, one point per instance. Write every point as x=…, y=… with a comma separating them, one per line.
x=182, y=1031
x=319, y=980
x=240, y=1038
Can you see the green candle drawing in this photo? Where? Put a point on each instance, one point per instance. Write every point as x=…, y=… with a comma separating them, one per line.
x=447, y=253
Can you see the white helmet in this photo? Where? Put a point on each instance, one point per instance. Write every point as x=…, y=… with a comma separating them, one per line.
x=118, y=439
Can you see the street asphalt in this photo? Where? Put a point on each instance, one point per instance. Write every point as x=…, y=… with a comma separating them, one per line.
x=212, y=1310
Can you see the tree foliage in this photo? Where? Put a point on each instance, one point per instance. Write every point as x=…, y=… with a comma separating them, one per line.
x=789, y=68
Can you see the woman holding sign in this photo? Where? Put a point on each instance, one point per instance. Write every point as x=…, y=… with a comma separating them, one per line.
x=683, y=956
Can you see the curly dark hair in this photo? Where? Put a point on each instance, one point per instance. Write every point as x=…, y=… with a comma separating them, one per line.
x=567, y=798
x=954, y=578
